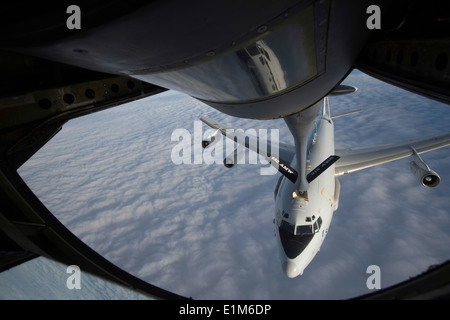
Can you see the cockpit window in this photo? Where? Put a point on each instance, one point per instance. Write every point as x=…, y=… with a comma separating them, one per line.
x=319, y=221
x=316, y=227
x=304, y=229
x=287, y=226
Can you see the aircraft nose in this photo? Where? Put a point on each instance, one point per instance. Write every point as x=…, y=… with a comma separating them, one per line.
x=291, y=269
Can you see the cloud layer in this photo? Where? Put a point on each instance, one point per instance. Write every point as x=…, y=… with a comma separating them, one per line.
x=206, y=231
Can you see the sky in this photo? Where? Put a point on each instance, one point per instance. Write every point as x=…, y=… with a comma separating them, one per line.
x=206, y=232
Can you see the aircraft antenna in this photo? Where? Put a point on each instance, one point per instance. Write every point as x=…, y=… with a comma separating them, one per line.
x=326, y=107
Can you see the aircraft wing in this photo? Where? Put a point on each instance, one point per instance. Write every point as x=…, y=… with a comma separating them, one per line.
x=280, y=161
x=286, y=152
x=357, y=159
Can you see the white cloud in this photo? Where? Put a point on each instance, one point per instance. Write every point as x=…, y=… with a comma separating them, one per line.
x=44, y=279
x=206, y=231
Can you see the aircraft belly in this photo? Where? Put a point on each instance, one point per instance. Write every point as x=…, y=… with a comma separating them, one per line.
x=297, y=251
x=320, y=150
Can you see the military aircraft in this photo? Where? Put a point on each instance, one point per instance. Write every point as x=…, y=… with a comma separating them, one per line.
x=307, y=192
x=253, y=59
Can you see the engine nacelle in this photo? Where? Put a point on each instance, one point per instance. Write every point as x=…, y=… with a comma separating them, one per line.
x=427, y=177
x=211, y=139
x=234, y=157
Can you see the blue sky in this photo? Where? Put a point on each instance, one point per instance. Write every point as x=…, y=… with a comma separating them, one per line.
x=206, y=231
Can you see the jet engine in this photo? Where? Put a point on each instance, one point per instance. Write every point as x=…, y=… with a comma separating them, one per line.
x=234, y=157
x=427, y=177
x=211, y=139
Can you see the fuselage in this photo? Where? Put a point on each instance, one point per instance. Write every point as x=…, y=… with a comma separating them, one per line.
x=302, y=219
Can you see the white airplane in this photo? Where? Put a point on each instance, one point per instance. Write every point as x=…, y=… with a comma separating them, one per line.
x=306, y=199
